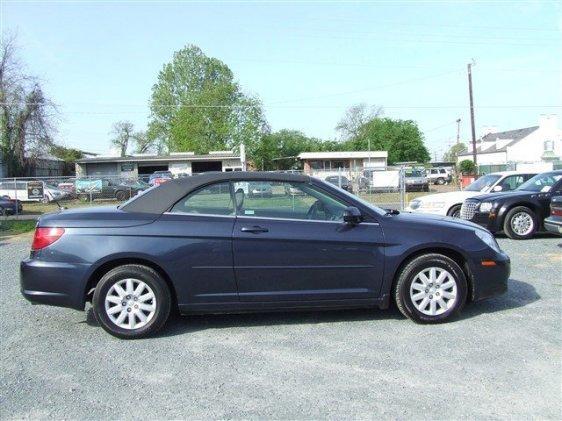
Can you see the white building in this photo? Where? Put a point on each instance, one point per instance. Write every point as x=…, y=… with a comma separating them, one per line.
x=324, y=164
x=538, y=147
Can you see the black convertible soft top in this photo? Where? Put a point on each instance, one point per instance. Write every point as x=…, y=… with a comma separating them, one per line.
x=158, y=200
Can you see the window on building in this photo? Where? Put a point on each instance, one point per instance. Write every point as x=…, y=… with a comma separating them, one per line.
x=549, y=145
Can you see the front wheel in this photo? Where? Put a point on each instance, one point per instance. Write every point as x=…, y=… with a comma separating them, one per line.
x=132, y=301
x=431, y=288
x=520, y=223
x=455, y=211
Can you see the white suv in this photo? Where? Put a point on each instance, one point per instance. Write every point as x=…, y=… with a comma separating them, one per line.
x=450, y=203
x=439, y=175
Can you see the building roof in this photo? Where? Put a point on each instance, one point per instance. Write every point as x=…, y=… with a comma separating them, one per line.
x=513, y=135
x=343, y=155
x=187, y=156
x=159, y=199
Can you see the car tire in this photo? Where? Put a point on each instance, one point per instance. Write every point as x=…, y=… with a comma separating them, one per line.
x=454, y=211
x=45, y=199
x=440, y=181
x=435, y=297
x=520, y=223
x=121, y=195
x=114, y=293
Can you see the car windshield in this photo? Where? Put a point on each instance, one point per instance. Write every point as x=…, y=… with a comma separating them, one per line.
x=483, y=183
x=415, y=173
x=541, y=182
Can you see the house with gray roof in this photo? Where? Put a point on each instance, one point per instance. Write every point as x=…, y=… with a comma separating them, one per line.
x=540, y=146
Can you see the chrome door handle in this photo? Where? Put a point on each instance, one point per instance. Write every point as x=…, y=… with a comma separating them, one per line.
x=255, y=229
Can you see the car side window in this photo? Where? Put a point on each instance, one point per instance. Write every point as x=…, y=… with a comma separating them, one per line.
x=214, y=199
x=511, y=182
x=272, y=199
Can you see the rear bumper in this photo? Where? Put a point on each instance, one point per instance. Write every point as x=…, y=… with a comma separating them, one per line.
x=489, y=281
x=53, y=283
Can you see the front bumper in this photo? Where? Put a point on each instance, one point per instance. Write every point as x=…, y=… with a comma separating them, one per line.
x=53, y=283
x=488, y=281
x=553, y=224
x=484, y=220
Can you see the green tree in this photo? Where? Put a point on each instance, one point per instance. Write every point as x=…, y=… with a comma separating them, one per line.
x=69, y=155
x=454, y=151
x=402, y=139
x=279, y=150
x=197, y=106
x=467, y=167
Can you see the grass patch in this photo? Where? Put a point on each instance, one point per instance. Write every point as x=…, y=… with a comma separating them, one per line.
x=14, y=227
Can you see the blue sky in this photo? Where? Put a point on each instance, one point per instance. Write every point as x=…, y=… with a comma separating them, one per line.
x=307, y=61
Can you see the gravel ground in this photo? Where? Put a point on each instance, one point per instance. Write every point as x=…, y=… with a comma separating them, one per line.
x=502, y=359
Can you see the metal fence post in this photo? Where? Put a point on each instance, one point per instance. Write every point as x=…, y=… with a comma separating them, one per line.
x=402, y=187
x=16, y=198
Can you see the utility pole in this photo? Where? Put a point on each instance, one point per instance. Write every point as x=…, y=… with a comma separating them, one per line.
x=469, y=66
x=458, y=130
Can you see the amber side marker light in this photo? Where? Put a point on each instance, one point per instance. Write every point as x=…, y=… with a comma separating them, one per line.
x=488, y=263
x=45, y=237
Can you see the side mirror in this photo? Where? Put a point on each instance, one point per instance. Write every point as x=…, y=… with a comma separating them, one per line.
x=497, y=188
x=352, y=215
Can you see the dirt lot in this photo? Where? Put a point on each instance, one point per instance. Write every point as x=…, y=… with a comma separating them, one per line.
x=502, y=359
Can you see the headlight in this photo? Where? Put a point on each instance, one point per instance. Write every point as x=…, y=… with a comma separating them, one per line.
x=485, y=207
x=488, y=239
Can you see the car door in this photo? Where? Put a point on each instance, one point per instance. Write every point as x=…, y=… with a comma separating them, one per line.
x=294, y=246
x=196, y=246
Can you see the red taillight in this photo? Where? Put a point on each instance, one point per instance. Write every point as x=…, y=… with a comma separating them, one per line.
x=556, y=211
x=45, y=237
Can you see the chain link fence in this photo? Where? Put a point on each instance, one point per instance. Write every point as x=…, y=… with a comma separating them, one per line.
x=26, y=198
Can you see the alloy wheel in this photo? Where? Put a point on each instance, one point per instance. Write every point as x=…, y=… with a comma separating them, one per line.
x=130, y=303
x=433, y=291
x=522, y=223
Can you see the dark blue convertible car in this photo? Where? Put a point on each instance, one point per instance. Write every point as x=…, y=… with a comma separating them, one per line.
x=204, y=245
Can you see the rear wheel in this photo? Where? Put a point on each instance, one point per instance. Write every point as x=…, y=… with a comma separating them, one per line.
x=455, y=211
x=132, y=301
x=431, y=288
x=520, y=223
x=121, y=195
x=440, y=181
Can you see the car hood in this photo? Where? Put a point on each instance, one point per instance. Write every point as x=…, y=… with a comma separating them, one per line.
x=453, y=196
x=432, y=220
x=490, y=197
x=95, y=217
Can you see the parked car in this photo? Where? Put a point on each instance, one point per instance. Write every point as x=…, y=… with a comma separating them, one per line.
x=260, y=190
x=120, y=190
x=159, y=177
x=340, y=181
x=553, y=223
x=205, y=249
x=519, y=213
x=439, y=176
x=18, y=190
x=416, y=180
x=10, y=206
x=450, y=203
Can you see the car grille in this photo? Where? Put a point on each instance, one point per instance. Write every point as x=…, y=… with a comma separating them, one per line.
x=468, y=209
